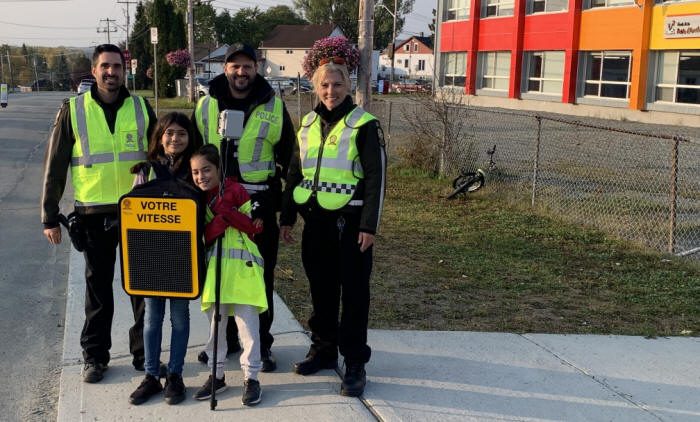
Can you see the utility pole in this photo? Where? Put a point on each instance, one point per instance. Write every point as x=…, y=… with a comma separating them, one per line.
x=9, y=68
x=365, y=42
x=190, y=49
x=393, y=40
x=128, y=23
x=108, y=30
x=36, y=75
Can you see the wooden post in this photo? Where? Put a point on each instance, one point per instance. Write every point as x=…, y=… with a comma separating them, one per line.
x=365, y=42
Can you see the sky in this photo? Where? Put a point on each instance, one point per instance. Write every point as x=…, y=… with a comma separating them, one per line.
x=74, y=23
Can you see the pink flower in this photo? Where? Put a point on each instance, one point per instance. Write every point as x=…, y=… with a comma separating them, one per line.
x=327, y=48
x=179, y=58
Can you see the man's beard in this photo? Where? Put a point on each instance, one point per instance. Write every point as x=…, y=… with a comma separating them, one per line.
x=236, y=80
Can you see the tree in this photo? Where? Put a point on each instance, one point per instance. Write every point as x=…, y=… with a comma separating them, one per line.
x=171, y=36
x=140, y=43
x=344, y=14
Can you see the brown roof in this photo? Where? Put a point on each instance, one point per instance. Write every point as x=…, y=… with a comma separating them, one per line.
x=296, y=36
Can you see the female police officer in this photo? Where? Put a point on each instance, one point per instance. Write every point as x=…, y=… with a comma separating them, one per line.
x=336, y=182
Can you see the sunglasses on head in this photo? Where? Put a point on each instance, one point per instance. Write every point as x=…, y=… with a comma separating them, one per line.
x=336, y=60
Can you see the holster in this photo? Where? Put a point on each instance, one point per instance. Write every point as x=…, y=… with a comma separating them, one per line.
x=76, y=230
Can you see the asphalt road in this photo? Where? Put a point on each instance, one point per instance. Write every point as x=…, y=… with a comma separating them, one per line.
x=34, y=273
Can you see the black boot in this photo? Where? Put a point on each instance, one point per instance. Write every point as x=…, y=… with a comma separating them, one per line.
x=314, y=363
x=354, y=381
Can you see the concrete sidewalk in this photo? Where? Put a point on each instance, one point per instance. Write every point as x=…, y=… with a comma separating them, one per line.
x=413, y=376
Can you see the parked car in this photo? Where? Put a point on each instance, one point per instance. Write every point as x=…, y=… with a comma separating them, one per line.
x=202, y=86
x=282, y=86
x=411, y=85
x=85, y=85
x=304, y=86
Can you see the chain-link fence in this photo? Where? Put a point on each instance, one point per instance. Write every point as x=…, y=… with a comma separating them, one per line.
x=637, y=185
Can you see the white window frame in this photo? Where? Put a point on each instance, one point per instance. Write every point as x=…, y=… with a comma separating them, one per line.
x=485, y=76
x=530, y=7
x=498, y=4
x=676, y=85
x=529, y=55
x=455, y=11
x=608, y=3
x=444, y=71
x=588, y=55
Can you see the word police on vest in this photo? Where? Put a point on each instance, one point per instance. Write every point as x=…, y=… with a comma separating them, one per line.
x=231, y=124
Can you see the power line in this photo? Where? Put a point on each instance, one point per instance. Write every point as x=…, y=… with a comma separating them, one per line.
x=102, y=30
x=44, y=27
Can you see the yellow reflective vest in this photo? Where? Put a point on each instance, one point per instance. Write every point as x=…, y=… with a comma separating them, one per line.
x=101, y=160
x=255, y=149
x=331, y=166
x=241, y=270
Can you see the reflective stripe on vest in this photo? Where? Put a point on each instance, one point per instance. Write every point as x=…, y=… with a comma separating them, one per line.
x=330, y=166
x=256, y=158
x=241, y=254
x=102, y=157
x=87, y=159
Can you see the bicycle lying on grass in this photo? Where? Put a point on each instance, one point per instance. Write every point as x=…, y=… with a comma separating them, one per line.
x=470, y=181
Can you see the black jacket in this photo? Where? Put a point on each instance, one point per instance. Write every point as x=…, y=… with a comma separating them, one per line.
x=370, y=189
x=60, y=149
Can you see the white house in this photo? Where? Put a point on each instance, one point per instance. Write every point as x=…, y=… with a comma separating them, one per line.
x=212, y=63
x=286, y=45
x=413, y=59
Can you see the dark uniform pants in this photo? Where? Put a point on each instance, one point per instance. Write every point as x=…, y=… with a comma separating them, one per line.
x=268, y=244
x=100, y=257
x=338, y=273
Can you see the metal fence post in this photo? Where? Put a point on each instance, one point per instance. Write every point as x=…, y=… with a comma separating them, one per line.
x=388, y=129
x=537, y=160
x=674, y=195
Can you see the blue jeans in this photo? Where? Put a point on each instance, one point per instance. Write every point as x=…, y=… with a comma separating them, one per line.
x=153, y=334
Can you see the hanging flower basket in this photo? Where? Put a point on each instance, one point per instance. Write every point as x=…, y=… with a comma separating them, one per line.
x=178, y=58
x=330, y=47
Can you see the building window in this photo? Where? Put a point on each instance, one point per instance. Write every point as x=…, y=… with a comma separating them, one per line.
x=545, y=72
x=608, y=3
x=495, y=70
x=546, y=6
x=678, y=77
x=456, y=9
x=406, y=47
x=453, y=69
x=607, y=74
x=290, y=51
x=421, y=65
x=498, y=8
x=415, y=47
x=405, y=63
x=281, y=67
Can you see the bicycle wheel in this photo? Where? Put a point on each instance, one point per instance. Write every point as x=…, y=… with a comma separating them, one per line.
x=466, y=183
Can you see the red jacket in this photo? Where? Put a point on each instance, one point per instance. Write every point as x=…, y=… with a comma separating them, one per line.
x=226, y=214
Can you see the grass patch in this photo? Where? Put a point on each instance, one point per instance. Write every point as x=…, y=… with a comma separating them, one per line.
x=176, y=103
x=485, y=264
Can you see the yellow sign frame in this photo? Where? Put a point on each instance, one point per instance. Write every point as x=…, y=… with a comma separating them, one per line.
x=160, y=215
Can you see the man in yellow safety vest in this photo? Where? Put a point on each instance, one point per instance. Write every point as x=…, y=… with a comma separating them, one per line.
x=99, y=135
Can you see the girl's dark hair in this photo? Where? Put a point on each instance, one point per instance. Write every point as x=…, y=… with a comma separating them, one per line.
x=210, y=153
x=155, y=146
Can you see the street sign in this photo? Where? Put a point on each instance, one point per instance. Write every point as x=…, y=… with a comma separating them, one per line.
x=134, y=65
x=154, y=35
x=159, y=246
